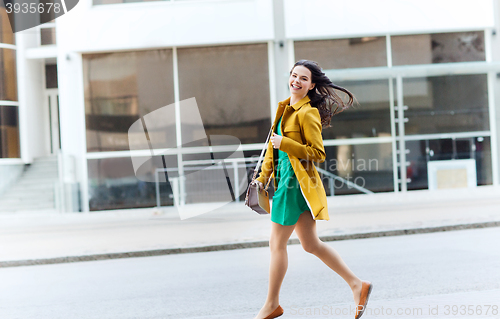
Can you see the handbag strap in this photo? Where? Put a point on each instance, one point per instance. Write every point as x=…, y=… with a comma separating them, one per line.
x=260, y=159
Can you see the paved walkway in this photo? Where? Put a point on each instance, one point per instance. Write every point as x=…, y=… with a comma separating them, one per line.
x=44, y=237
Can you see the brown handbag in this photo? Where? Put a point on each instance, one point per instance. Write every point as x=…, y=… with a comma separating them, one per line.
x=256, y=198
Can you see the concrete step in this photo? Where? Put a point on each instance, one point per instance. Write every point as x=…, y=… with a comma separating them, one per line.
x=28, y=196
x=34, y=206
x=26, y=201
x=36, y=162
x=37, y=179
x=40, y=176
x=41, y=171
x=46, y=159
x=35, y=188
x=32, y=185
x=41, y=167
x=28, y=192
x=26, y=208
x=37, y=184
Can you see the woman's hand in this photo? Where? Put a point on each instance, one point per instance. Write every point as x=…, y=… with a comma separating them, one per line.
x=261, y=186
x=276, y=140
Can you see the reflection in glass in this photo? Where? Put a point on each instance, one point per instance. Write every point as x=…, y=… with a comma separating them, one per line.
x=47, y=36
x=121, y=87
x=445, y=104
x=232, y=90
x=344, y=53
x=205, y=183
x=51, y=76
x=438, y=48
x=423, y=151
x=8, y=75
x=6, y=34
x=368, y=165
x=371, y=118
x=114, y=185
x=9, y=132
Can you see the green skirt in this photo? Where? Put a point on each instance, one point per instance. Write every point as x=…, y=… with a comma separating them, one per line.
x=288, y=201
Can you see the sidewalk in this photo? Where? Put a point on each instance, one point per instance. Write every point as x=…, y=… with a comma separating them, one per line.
x=43, y=237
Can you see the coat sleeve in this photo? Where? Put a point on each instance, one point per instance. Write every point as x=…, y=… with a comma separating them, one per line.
x=267, y=165
x=313, y=150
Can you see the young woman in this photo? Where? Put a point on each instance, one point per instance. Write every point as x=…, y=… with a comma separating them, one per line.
x=300, y=199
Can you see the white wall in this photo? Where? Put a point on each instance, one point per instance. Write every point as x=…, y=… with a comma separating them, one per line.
x=72, y=118
x=154, y=24
x=164, y=24
x=33, y=112
x=353, y=18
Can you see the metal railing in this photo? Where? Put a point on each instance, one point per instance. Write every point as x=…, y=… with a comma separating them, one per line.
x=331, y=184
x=234, y=163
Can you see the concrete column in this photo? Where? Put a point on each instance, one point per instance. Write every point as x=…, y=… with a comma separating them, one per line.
x=33, y=117
x=495, y=57
x=282, y=65
x=73, y=131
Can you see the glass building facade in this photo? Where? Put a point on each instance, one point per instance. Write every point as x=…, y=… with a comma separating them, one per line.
x=232, y=94
x=426, y=90
x=9, y=106
x=443, y=116
x=402, y=120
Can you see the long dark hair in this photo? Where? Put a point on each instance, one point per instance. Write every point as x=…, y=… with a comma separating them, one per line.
x=323, y=96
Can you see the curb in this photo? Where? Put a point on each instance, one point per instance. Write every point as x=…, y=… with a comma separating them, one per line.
x=173, y=251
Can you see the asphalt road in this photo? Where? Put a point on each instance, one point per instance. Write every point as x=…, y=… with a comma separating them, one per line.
x=452, y=274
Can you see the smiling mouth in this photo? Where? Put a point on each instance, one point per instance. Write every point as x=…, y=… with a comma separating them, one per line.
x=296, y=87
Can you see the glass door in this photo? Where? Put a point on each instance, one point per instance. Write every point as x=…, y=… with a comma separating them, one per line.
x=441, y=120
x=52, y=98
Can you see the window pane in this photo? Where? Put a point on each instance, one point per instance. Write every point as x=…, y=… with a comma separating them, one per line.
x=121, y=87
x=423, y=151
x=9, y=132
x=114, y=185
x=369, y=166
x=47, y=36
x=344, y=53
x=51, y=76
x=445, y=104
x=6, y=34
x=371, y=118
x=438, y=48
x=8, y=75
x=231, y=90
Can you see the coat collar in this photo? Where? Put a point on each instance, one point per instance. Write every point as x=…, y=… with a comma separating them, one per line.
x=297, y=105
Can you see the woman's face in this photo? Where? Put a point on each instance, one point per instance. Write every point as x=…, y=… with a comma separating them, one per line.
x=300, y=81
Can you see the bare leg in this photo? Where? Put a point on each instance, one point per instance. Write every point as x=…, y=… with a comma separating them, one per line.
x=306, y=231
x=277, y=268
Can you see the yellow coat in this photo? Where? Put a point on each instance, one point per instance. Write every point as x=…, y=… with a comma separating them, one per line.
x=302, y=141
